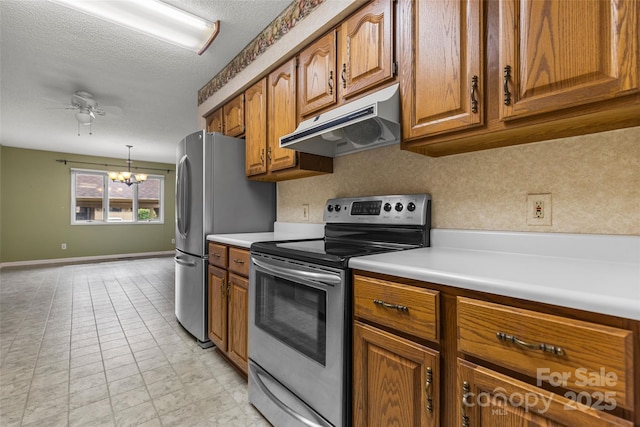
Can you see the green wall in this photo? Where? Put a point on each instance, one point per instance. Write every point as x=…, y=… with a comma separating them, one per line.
x=35, y=202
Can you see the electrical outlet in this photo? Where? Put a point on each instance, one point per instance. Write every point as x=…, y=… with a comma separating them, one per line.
x=63, y=246
x=305, y=212
x=539, y=209
x=173, y=241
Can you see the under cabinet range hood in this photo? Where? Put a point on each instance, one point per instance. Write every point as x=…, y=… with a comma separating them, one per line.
x=369, y=122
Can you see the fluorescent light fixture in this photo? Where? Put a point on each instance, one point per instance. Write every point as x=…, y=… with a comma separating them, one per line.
x=152, y=17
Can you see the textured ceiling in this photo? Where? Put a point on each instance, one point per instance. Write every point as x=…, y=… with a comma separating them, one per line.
x=148, y=88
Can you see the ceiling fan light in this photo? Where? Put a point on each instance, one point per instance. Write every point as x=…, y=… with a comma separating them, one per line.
x=155, y=18
x=84, y=117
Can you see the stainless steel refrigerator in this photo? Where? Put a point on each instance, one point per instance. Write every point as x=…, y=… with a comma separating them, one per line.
x=213, y=196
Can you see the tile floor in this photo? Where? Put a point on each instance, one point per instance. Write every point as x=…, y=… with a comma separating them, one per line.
x=98, y=345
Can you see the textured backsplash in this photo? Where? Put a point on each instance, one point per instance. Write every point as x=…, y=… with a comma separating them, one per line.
x=594, y=181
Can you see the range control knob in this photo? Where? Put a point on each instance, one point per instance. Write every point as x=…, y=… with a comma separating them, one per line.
x=387, y=207
x=337, y=208
x=330, y=208
x=411, y=207
x=399, y=207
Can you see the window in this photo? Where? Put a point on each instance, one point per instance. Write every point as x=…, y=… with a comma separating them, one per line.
x=95, y=199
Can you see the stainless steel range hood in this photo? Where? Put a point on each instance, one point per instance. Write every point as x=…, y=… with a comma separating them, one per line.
x=369, y=122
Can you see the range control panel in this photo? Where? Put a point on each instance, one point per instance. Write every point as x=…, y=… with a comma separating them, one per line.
x=409, y=209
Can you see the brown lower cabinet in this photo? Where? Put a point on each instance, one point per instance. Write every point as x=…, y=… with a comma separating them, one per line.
x=426, y=354
x=229, y=302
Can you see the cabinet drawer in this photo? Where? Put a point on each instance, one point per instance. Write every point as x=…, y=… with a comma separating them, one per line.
x=218, y=255
x=402, y=307
x=239, y=261
x=564, y=352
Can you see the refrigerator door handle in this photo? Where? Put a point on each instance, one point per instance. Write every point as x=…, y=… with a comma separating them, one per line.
x=183, y=196
x=181, y=262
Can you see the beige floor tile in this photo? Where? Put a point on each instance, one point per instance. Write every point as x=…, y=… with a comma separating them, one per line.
x=49, y=379
x=83, y=371
x=125, y=384
x=140, y=415
x=95, y=414
x=163, y=373
x=87, y=382
x=88, y=396
x=129, y=399
x=118, y=361
x=47, y=409
x=109, y=345
x=10, y=419
x=172, y=401
x=59, y=420
x=188, y=415
x=87, y=359
x=122, y=372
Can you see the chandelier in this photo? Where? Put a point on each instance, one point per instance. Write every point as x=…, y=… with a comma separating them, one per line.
x=127, y=177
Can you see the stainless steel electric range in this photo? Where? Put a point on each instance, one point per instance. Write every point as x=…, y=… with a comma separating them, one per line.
x=300, y=308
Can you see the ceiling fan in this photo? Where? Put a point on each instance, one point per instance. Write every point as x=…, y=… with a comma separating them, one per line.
x=86, y=108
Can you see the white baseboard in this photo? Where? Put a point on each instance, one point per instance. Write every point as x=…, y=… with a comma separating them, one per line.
x=84, y=259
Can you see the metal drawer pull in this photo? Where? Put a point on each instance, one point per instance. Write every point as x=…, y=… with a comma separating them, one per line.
x=216, y=255
x=331, y=82
x=402, y=308
x=238, y=261
x=542, y=346
x=474, y=91
x=428, y=385
x=507, y=76
x=465, y=403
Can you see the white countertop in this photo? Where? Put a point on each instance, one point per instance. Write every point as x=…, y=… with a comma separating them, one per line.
x=281, y=231
x=588, y=272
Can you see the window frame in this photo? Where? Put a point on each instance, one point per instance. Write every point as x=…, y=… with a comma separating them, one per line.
x=105, y=200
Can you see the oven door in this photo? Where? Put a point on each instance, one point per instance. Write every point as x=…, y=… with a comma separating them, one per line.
x=297, y=332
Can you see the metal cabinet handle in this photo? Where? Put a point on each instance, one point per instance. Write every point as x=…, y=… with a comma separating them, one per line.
x=238, y=261
x=343, y=76
x=474, y=91
x=215, y=255
x=542, y=346
x=222, y=287
x=330, y=82
x=465, y=403
x=428, y=386
x=402, y=308
x=229, y=289
x=269, y=155
x=262, y=156
x=507, y=76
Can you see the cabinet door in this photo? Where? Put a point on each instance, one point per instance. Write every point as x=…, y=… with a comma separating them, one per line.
x=366, y=40
x=218, y=307
x=238, y=323
x=233, y=115
x=282, y=114
x=556, y=54
x=214, y=121
x=256, y=128
x=317, y=75
x=395, y=381
x=488, y=398
x=442, y=68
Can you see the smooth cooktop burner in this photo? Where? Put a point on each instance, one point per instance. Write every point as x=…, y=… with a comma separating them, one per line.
x=323, y=251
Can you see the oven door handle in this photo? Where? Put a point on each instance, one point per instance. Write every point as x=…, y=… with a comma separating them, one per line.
x=263, y=387
x=329, y=279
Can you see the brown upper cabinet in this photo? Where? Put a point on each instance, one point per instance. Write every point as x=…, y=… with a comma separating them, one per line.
x=317, y=75
x=271, y=112
x=366, y=40
x=256, y=130
x=214, y=121
x=480, y=74
x=233, y=116
x=559, y=54
x=442, y=66
x=348, y=61
x=282, y=114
